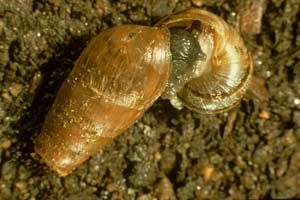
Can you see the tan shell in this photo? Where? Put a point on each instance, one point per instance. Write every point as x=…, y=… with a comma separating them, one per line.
x=117, y=77
x=220, y=81
x=125, y=69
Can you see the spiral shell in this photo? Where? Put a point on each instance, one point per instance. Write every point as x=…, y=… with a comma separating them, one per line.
x=219, y=81
x=192, y=58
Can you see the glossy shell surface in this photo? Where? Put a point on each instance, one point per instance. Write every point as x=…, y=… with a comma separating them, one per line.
x=218, y=82
x=117, y=77
x=125, y=69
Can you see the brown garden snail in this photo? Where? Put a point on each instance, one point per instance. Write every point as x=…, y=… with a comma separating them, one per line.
x=192, y=58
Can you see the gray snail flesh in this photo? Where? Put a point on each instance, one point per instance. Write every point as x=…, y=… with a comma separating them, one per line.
x=217, y=82
x=125, y=69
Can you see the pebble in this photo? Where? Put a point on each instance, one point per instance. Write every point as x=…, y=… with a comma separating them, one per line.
x=15, y=89
x=5, y=143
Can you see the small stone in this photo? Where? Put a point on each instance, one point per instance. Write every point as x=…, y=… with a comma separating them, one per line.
x=208, y=172
x=197, y=2
x=296, y=101
x=157, y=156
x=5, y=143
x=130, y=191
x=6, y=97
x=21, y=186
x=165, y=190
x=264, y=114
x=15, y=89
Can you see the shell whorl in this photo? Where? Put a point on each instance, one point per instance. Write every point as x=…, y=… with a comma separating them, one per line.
x=220, y=80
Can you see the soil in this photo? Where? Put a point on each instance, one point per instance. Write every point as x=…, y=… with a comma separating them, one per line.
x=249, y=152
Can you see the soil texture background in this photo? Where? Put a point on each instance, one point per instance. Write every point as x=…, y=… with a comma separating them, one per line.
x=251, y=151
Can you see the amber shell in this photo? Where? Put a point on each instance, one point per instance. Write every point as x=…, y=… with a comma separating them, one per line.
x=219, y=82
x=115, y=80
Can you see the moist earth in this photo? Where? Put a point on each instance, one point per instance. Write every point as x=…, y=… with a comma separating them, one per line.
x=251, y=151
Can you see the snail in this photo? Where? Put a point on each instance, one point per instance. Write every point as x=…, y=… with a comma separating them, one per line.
x=193, y=58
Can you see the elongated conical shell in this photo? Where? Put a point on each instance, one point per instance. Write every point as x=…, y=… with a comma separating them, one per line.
x=117, y=77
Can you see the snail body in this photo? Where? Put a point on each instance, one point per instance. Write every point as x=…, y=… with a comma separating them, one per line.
x=219, y=81
x=125, y=69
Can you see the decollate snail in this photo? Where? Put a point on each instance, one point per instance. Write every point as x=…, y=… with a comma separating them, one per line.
x=192, y=58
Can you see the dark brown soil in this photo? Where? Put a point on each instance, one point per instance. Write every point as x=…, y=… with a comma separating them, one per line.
x=252, y=151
